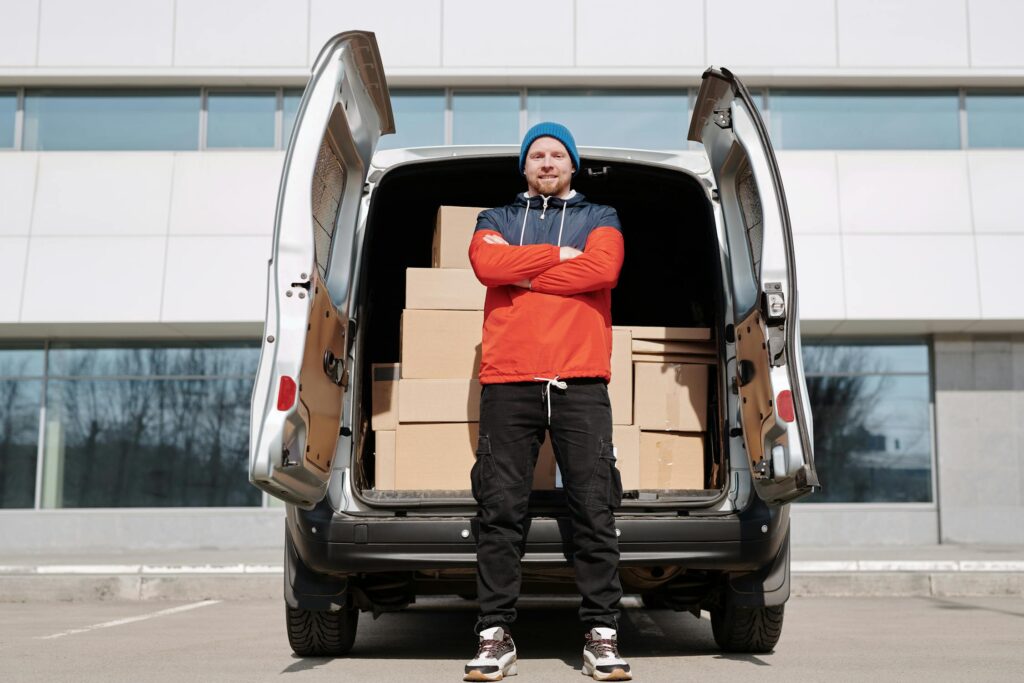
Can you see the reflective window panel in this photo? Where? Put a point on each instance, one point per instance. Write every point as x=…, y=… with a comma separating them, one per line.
x=869, y=119
x=995, y=120
x=419, y=119
x=292, y=98
x=641, y=119
x=195, y=360
x=481, y=118
x=21, y=394
x=240, y=119
x=872, y=422
x=147, y=443
x=8, y=110
x=79, y=119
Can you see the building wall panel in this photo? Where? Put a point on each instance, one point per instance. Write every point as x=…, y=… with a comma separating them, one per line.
x=102, y=193
x=19, y=32
x=93, y=279
x=640, y=33
x=917, y=277
x=782, y=33
x=529, y=33
x=17, y=187
x=225, y=193
x=908, y=33
x=904, y=192
x=123, y=33
x=237, y=33
x=408, y=31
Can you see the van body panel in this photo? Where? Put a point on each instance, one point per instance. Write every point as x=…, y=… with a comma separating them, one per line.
x=768, y=369
x=300, y=382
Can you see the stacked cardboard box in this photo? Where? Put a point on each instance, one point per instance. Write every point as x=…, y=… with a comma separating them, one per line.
x=670, y=395
x=426, y=409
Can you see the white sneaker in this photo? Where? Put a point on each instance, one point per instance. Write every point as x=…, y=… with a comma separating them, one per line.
x=601, y=658
x=495, y=658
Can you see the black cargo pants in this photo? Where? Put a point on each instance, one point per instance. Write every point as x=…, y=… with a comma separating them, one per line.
x=513, y=422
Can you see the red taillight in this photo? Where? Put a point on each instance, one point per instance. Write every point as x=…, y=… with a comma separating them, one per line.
x=784, y=405
x=286, y=393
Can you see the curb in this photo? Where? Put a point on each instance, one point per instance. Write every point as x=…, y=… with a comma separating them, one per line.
x=91, y=583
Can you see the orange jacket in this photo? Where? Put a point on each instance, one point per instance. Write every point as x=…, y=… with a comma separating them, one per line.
x=561, y=326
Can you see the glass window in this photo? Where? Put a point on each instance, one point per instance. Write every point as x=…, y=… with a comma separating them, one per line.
x=419, y=119
x=872, y=427
x=8, y=110
x=240, y=119
x=292, y=98
x=995, y=120
x=21, y=394
x=111, y=119
x=485, y=118
x=153, y=426
x=864, y=120
x=643, y=119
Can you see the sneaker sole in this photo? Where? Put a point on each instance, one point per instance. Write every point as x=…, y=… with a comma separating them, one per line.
x=613, y=675
x=511, y=670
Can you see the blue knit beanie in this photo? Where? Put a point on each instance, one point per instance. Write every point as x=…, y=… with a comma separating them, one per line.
x=553, y=130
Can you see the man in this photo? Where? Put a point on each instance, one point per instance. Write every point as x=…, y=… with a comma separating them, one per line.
x=549, y=261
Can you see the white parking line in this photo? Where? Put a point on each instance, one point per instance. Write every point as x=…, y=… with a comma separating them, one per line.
x=131, y=620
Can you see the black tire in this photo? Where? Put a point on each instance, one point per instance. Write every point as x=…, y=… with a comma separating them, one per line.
x=314, y=633
x=754, y=630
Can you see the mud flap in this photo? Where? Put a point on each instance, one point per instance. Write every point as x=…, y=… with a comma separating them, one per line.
x=306, y=589
x=767, y=587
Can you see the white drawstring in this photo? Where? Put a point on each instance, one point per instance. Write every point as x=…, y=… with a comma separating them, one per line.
x=525, y=214
x=561, y=225
x=547, y=390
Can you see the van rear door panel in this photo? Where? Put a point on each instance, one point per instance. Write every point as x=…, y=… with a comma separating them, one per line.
x=774, y=414
x=297, y=400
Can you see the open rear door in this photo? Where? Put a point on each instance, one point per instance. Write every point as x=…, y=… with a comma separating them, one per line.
x=775, y=415
x=303, y=371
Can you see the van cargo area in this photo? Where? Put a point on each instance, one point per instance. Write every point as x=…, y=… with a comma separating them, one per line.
x=671, y=277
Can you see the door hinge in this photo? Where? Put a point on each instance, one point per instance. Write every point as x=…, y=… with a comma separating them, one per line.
x=722, y=118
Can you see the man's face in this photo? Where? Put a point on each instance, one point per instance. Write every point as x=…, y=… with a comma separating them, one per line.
x=548, y=167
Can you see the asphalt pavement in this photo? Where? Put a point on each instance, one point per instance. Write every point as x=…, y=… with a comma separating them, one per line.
x=834, y=639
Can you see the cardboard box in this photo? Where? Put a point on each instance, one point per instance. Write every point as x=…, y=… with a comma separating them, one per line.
x=671, y=460
x=670, y=396
x=384, y=461
x=674, y=358
x=438, y=400
x=449, y=289
x=441, y=344
x=545, y=472
x=384, y=396
x=435, y=456
x=667, y=333
x=620, y=389
x=627, y=454
x=452, y=232
x=666, y=347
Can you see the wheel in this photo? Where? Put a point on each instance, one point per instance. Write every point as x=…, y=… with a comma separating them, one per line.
x=314, y=633
x=738, y=629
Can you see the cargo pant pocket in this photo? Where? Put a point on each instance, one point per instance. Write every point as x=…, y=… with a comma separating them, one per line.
x=484, y=476
x=605, y=489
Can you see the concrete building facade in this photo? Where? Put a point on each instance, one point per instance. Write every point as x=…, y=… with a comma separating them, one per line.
x=906, y=253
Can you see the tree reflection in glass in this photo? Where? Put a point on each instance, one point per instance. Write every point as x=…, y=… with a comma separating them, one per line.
x=872, y=432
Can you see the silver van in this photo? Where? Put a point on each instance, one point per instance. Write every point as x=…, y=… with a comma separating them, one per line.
x=708, y=243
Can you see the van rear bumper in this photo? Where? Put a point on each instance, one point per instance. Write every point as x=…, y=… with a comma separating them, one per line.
x=336, y=544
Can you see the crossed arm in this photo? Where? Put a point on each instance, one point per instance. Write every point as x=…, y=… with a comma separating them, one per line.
x=545, y=267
